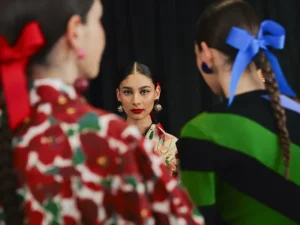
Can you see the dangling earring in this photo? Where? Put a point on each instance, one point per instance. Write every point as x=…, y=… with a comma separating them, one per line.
x=157, y=106
x=206, y=69
x=120, y=109
x=80, y=54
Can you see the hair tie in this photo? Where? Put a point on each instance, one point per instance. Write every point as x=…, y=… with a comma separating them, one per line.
x=270, y=34
x=13, y=63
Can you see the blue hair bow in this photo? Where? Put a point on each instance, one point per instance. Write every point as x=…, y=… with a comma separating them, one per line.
x=249, y=46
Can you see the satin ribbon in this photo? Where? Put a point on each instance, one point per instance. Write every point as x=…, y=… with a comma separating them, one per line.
x=270, y=34
x=287, y=103
x=13, y=63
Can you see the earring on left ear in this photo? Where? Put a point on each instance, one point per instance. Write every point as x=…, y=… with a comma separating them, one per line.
x=206, y=69
x=80, y=53
x=157, y=106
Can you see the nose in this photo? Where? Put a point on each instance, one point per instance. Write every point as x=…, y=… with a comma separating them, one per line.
x=136, y=100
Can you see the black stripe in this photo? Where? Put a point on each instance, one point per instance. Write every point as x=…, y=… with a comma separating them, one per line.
x=252, y=106
x=201, y=155
x=244, y=173
x=211, y=217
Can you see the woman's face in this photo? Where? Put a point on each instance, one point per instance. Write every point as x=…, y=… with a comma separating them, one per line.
x=92, y=42
x=137, y=94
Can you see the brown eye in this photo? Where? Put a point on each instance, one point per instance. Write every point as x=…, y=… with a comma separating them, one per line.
x=127, y=92
x=144, y=92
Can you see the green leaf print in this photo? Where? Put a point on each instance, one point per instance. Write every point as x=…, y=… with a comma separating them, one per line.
x=78, y=157
x=53, y=171
x=51, y=120
x=52, y=207
x=106, y=183
x=132, y=181
x=89, y=122
x=70, y=132
x=78, y=184
x=151, y=135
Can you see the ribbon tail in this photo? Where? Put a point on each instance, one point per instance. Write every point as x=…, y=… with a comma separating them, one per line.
x=16, y=93
x=283, y=85
x=287, y=103
x=240, y=63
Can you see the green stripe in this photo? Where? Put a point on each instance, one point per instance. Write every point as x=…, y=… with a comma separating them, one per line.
x=201, y=186
x=245, y=136
x=237, y=208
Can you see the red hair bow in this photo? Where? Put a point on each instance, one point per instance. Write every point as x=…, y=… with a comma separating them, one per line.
x=13, y=63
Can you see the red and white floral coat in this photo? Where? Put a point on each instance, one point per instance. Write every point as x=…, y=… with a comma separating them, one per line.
x=78, y=165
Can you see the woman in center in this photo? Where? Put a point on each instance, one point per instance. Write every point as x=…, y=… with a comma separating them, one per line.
x=138, y=95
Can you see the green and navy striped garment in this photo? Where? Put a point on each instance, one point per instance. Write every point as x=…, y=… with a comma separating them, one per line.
x=233, y=167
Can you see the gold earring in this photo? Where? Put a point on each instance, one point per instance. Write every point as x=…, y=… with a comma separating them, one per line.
x=120, y=109
x=158, y=107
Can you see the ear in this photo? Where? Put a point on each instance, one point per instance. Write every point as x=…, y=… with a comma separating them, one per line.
x=207, y=54
x=198, y=56
x=260, y=75
x=118, y=94
x=74, y=32
x=157, y=92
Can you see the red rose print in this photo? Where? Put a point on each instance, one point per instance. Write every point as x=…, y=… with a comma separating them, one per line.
x=51, y=144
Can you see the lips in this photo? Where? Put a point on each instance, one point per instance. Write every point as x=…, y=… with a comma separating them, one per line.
x=137, y=111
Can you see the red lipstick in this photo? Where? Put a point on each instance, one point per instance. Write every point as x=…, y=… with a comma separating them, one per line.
x=137, y=111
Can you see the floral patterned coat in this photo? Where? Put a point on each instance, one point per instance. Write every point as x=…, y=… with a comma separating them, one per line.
x=80, y=165
x=165, y=145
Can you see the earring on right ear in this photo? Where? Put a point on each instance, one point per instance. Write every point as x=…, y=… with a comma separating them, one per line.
x=206, y=69
x=120, y=109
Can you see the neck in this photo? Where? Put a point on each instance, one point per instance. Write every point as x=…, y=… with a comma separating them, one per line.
x=142, y=124
x=61, y=64
x=249, y=81
x=69, y=76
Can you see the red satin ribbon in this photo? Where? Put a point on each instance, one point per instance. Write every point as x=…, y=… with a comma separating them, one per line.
x=13, y=63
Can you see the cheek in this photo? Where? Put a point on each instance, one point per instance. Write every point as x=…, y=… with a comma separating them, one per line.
x=96, y=41
x=149, y=103
x=126, y=103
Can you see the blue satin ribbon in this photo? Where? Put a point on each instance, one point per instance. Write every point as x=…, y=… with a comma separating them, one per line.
x=287, y=103
x=270, y=34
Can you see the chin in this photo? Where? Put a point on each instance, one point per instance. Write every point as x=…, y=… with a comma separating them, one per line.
x=137, y=116
x=92, y=74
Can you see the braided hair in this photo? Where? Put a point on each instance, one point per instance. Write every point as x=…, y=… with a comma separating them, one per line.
x=279, y=113
x=222, y=16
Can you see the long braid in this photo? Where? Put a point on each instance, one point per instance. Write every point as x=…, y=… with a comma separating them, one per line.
x=279, y=113
x=8, y=181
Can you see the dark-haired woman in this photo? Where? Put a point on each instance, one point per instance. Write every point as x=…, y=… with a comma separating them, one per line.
x=241, y=160
x=74, y=164
x=139, y=95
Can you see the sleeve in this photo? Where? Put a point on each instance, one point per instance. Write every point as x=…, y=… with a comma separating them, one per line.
x=100, y=176
x=198, y=175
x=123, y=181
x=201, y=162
x=170, y=154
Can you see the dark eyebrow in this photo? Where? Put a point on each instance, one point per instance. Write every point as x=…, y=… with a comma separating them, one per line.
x=126, y=88
x=145, y=87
